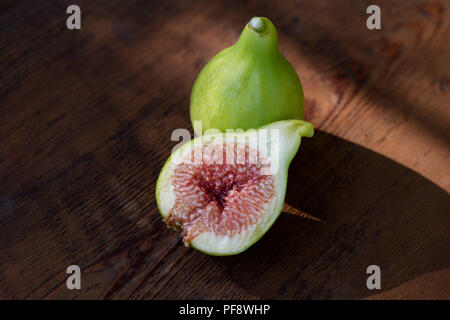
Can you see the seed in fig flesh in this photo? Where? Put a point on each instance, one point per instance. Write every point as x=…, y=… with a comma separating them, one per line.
x=225, y=190
x=247, y=85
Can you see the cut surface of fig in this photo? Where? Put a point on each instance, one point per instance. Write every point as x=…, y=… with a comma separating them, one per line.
x=217, y=196
x=225, y=190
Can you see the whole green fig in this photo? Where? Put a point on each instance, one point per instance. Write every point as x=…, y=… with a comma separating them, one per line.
x=247, y=85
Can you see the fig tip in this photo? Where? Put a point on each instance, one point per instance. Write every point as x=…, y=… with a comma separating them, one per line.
x=257, y=24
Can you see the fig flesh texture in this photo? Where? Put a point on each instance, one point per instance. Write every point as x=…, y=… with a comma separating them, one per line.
x=225, y=190
x=247, y=85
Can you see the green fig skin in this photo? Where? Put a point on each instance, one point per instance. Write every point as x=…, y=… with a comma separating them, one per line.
x=247, y=85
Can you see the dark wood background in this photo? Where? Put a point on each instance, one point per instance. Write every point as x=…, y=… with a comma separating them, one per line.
x=86, y=119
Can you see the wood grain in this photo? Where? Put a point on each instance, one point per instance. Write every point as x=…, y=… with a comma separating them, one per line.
x=86, y=119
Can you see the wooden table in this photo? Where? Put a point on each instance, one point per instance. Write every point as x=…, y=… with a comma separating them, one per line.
x=86, y=120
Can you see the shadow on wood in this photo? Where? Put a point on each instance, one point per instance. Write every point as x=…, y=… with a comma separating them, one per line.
x=376, y=212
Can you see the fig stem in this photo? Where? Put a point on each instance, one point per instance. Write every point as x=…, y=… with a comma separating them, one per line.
x=257, y=24
x=296, y=212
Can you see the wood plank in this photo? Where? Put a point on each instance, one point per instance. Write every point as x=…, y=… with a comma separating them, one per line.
x=85, y=128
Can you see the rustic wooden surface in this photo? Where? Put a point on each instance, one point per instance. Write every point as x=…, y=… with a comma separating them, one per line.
x=86, y=119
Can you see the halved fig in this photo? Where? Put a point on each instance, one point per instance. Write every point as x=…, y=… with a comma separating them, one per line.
x=225, y=190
